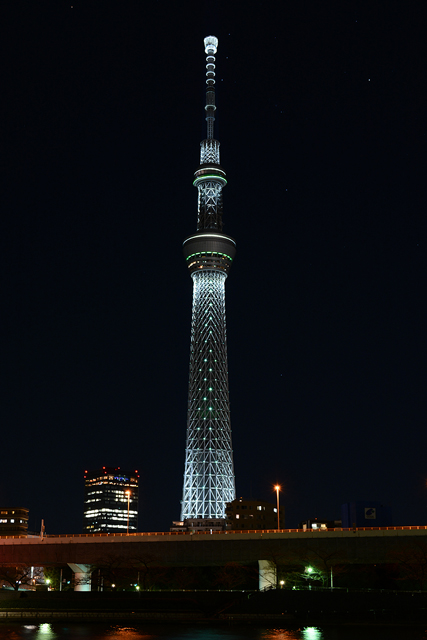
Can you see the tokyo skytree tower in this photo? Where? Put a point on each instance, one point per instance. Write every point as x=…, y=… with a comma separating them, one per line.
x=209, y=253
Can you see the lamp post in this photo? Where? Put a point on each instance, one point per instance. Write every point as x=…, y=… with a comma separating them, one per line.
x=128, y=495
x=277, y=489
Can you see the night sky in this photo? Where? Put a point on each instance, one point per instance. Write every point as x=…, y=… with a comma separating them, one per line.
x=321, y=119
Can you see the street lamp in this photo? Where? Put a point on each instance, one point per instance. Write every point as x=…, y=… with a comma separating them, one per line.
x=277, y=489
x=128, y=495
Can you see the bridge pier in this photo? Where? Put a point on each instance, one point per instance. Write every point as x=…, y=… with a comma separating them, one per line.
x=82, y=576
x=267, y=575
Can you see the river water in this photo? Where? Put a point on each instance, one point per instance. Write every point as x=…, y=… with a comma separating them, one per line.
x=95, y=631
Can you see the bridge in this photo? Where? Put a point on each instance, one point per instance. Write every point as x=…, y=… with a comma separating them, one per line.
x=217, y=548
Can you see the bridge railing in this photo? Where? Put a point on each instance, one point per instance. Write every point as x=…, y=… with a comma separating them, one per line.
x=228, y=532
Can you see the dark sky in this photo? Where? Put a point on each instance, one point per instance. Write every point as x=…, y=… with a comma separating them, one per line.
x=321, y=119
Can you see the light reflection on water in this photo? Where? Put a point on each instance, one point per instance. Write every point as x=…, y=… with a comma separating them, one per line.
x=131, y=633
x=41, y=631
x=306, y=633
x=95, y=631
x=48, y=631
x=312, y=633
x=128, y=633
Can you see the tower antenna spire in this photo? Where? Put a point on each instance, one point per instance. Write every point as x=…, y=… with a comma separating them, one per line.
x=209, y=253
x=210, y=177
x=211, y=46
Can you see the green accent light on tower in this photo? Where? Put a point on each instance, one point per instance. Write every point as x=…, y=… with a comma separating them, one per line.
x=209, y=253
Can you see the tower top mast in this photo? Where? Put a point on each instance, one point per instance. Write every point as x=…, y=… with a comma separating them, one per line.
x=209, y=148
x=209, y=248
x=211, y=46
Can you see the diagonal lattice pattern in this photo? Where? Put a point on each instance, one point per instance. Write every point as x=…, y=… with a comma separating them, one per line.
x=209, y=152
x=209, y=205
x=209, y=474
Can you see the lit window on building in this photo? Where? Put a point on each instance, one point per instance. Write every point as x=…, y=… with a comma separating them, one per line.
x=115, y=510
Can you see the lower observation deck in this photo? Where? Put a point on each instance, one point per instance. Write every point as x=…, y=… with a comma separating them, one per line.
x=211, y=250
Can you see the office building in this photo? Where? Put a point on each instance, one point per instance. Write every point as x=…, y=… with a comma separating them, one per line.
x=111, y=501
x=13, y=521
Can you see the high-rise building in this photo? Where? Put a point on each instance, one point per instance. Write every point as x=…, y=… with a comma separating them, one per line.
x=13, y=521
x=111, y=501
x=209, y=253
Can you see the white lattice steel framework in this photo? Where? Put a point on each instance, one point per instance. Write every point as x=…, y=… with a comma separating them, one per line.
x=209, y=474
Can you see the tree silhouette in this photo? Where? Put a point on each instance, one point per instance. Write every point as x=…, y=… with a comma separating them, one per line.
x=19, y=574
x=411, y=561
x=230, y=576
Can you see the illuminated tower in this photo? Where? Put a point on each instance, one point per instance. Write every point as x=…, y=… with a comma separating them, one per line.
x=209, y=473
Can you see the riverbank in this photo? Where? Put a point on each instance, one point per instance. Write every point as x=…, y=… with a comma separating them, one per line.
x=229, y=607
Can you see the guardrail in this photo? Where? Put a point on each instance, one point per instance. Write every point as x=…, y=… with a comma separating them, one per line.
x=228, y=532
